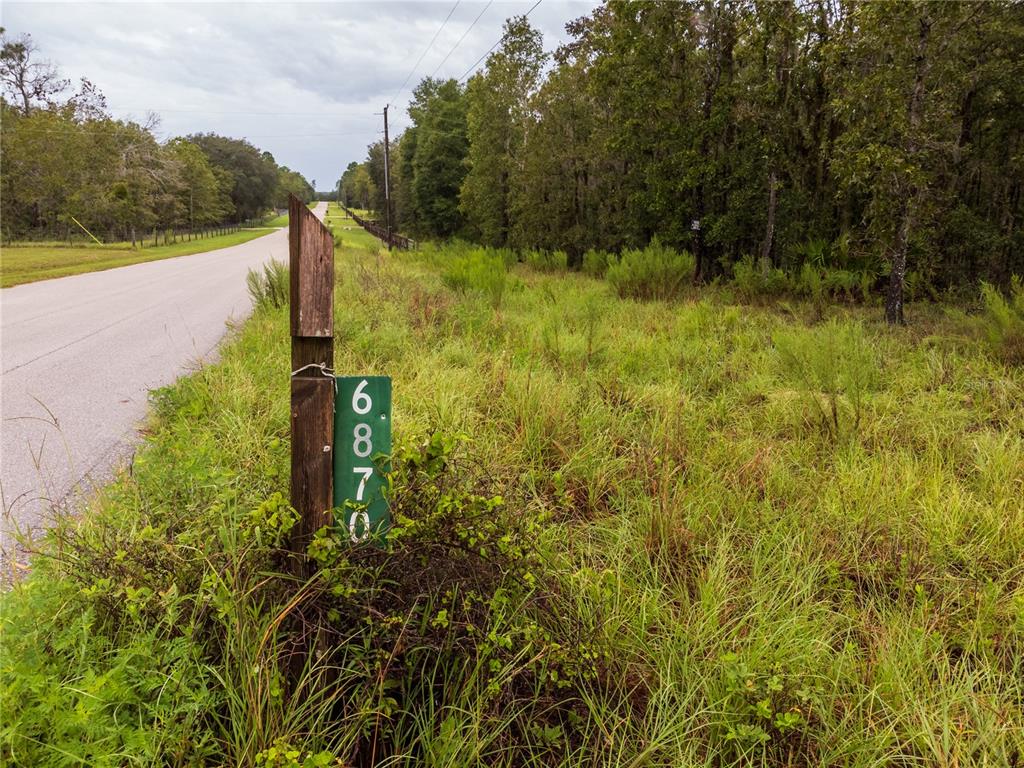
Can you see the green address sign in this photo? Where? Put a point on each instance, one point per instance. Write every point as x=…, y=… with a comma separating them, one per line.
x=362, y=445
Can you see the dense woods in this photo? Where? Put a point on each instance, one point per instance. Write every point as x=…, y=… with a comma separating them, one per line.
x=878, y=141
x=65, y=156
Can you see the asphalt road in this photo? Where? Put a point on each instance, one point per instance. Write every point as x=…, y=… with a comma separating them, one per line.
x=80, y=355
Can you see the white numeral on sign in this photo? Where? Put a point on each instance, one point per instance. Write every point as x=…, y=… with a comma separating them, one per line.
x=361, y=402
x=367, y=473
x=362, y=446
x=362, y=434
x=359, y=518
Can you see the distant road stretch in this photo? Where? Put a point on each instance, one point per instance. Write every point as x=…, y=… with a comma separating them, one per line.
x=80, y=355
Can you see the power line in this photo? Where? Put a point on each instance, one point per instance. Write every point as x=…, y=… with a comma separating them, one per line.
x=348, y=116
x=426, y=50
x=500, y=41
x=462, y=38
x=119, y=131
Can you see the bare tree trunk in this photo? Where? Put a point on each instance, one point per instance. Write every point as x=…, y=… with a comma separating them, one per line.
x=894, y=301
x=711, y=79
x=769, y=230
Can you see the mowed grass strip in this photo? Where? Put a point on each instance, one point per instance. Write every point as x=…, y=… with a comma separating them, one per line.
x=346, y=232
x=282, y=219
x=278, y=221
x=21, y=264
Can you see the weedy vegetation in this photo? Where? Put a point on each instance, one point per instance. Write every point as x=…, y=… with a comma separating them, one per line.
x=629, y=531
x=269, y=286
x=1003, y=320
x=654, y=272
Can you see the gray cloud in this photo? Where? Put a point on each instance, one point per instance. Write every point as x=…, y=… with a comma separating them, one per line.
x=301, y=80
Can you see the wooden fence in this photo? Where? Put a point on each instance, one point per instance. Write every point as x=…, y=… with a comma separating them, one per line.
x=375, y=229
x=71, y=235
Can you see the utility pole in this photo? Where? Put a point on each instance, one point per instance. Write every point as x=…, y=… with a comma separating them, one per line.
x=387, y=179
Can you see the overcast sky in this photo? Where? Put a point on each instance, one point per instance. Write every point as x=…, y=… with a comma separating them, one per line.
x=302, y=80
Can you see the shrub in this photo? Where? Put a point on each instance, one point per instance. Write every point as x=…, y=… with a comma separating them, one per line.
x=821, y=283
x=816, y=251
x=508, y=256
x=167, y=639
x=479, y=270
x=765, y=712
x=269, y=287
x=456, y=601
x=547, y=261
x=753, y=282
x=810, y=284
x=1003, y=320
x=834, y=366
x=655, y=272
x=841, y=283
x=595, y=263
x=73, y=693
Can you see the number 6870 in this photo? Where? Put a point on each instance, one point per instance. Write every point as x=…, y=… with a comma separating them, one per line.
x=362, y=446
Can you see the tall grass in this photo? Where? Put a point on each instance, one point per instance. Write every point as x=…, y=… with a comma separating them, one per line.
x=715, y=577
x=269, y=287
x=835, y=367
x=1003, y=320
x=478, y=270
x=654, y=272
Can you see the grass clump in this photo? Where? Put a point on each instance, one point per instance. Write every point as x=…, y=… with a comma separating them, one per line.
x=834, y=367
x=269, y=287
x=656, y=272
x=1003, y=320
x=754, y=282
x=547, y=261
x=595, y=263
x=478, y=270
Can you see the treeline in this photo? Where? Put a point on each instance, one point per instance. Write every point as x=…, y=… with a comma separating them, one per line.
x=64, y=156
x=879, y=138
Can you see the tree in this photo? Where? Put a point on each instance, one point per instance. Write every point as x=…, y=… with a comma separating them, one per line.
x=202, y=197
x=30, y=81
x=357, y=188
x=904, y=83
x=254, y=174
x=437, y=156
x=291, y=182
x=550, y=200
x=497, y=121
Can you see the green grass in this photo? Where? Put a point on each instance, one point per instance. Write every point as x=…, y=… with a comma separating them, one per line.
x=27, y=263
x=345, y=230
x=282, y=220
x=277, y=221
x=788, y=542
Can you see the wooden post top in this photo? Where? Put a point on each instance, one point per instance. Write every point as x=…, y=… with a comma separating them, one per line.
x=311, y=267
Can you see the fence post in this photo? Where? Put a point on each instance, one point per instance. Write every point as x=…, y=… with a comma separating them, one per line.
x=311, y=275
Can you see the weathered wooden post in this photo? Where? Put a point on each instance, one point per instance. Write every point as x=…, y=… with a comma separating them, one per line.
x=311, y=264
